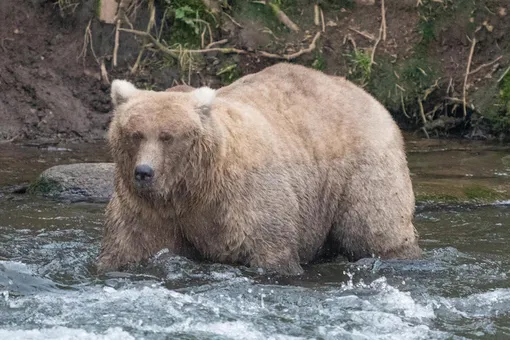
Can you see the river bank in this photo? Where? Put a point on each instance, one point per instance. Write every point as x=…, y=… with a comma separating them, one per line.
x=441, y=67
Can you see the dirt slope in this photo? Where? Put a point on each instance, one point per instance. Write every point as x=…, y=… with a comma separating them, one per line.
x=50, y=91
x=44, y=92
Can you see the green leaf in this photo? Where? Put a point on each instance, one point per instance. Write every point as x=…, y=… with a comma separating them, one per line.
x=180, y=13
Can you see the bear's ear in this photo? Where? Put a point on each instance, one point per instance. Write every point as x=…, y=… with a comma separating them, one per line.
x=204, y=97
x=121, y=91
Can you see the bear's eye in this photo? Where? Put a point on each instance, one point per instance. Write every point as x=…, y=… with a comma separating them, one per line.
x=137, y=136
x=166, y=137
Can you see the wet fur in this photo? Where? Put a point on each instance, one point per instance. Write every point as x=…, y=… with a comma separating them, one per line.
x=285, y=167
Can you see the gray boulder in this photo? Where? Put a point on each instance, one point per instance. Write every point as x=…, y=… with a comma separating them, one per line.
x=77, y=182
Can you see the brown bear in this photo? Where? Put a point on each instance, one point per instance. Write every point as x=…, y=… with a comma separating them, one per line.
x=180, y=88
x=281, y=168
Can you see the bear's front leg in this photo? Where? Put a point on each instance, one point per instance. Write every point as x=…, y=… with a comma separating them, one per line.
x=131, y=236
x=282, y=262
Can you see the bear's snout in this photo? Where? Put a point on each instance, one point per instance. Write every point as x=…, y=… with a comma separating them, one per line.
x=143, y=173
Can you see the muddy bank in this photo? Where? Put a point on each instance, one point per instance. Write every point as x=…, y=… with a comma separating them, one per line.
x=58, y=58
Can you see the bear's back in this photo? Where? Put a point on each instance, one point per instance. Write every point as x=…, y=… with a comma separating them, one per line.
x=307, y=107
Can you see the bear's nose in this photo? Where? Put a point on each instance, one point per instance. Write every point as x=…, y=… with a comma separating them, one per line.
x=143, y=172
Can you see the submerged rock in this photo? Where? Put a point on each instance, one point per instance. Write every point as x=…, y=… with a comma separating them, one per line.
x=81, y=181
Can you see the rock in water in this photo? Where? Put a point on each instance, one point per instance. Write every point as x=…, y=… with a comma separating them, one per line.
x=81, y=181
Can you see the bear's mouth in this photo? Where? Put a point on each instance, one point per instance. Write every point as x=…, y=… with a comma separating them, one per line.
x=143, y=186
x=144, y=191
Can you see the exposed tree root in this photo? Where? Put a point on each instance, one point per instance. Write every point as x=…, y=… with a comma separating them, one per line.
x=504, y=74
x=175, y=53
x=150, y=24
x=485, y=65
x=284, y=19
x=323, y=21
x=215, y=43
x=232, y=19
x=122, y=18
x=87, y=39
x=104, y=73
x=292, y=56
x=116, y=44
x=280, y=15
x=154, y=41
x=468, y=67
x=363, y=34
x=382, y=32
x=383, y=20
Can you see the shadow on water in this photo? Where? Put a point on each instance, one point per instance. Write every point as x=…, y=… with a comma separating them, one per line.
x=48, y=286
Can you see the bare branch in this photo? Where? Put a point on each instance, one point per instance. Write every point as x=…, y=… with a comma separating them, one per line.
x=233, y=21
x=219, y=42
x=363, y=34
x=485, y=65
x=464, y=90
x=282, y=17
x=383, y=20
x=156, y=43
x=323, y=21
x=173, y=52
x=504, y=74
x=382, y=32
x=116, y=46
x=104, y=73
x=316, y=15
x=293, y=55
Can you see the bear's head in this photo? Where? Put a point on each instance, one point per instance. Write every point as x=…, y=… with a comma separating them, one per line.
x=159, y=138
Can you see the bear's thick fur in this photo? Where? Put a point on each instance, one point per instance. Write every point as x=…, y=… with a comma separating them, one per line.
x=180, y=88
x=281, y=168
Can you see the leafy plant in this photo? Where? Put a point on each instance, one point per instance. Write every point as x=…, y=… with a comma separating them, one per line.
x=185, y=21
x=498, y=114
x=319, y=63
x=189, y=16
x=361, y=66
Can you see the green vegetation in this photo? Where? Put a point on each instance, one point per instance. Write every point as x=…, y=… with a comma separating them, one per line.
x=185, y=21
x=361, y=66
x=43, y=186
x=435, y=15
x=260, y=14
x=474, y=193
x=229, y=73
x=97, y=6
x=319, y=62
x=504, y=92
x=400, y=84
x=437, y=198
x=494, y=103
x=404, y=82
x=480, y=193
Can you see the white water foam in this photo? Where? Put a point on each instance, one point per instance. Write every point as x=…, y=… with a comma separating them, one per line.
x=239, y=308
x=64, y=333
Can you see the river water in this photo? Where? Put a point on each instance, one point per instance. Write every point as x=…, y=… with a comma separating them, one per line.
x=49, y=290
